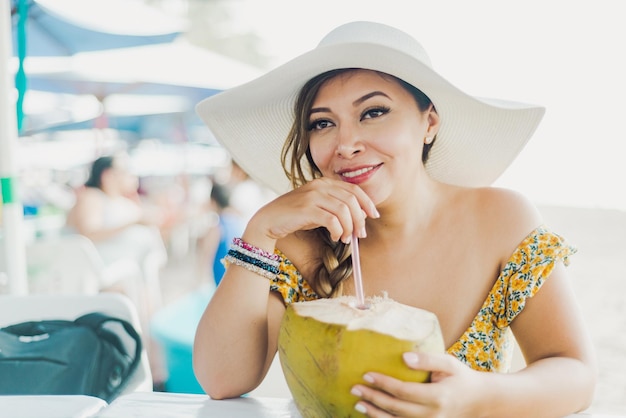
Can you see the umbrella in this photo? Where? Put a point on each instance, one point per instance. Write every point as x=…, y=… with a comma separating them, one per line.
x=47, y=111
x=66, y=27
x=133, y=115
x=177, y=68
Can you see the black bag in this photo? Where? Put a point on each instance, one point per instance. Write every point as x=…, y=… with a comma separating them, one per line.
x=88, y=356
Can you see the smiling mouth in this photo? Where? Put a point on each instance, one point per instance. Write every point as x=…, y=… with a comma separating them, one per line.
x=356, y=173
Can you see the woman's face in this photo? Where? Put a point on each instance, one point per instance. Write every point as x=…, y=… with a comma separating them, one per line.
x=367, y=129
x=121, y=177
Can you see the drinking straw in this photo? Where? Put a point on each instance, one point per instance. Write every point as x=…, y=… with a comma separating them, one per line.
x=356, y=273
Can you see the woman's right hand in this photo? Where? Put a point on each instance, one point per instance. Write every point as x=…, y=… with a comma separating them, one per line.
x=338, y=206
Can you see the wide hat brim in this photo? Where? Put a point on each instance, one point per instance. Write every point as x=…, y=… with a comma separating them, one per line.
x=477, y=140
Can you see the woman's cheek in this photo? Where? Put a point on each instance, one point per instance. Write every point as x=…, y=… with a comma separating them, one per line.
x=322, y=156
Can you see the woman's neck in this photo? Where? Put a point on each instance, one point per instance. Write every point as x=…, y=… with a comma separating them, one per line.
x=412, y=213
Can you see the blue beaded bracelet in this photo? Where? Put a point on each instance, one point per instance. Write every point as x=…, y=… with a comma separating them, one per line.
x=253, y=259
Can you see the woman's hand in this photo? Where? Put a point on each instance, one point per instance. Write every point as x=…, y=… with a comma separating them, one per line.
x=338, y=206
x=454, y=390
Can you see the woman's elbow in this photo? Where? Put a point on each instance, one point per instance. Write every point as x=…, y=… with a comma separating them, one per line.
x=217, y=383
x=583, y=372
x=207, y=377
x=588, y=376
x=219, y=388
x=212, y=384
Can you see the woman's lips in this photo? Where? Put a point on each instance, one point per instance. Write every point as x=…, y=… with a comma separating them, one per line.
x=359, y=175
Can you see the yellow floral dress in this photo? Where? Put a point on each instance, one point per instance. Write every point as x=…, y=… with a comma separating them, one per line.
x=486, y=345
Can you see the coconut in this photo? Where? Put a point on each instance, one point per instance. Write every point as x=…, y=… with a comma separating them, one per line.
x=325, y=347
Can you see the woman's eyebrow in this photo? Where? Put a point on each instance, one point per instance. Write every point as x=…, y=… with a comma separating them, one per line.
x=354, y=103
x=319, y=110
x=368, y=96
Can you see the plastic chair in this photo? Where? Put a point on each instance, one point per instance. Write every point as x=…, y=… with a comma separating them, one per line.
x=16, y=309
x=70, y=263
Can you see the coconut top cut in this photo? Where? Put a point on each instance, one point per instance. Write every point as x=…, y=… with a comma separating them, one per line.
x=383, y=315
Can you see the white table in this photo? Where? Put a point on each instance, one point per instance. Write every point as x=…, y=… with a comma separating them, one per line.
x=176, y=405
x=50, y=406
x=158, y=405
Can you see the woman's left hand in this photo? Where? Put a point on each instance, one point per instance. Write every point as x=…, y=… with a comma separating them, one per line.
x=452, y=392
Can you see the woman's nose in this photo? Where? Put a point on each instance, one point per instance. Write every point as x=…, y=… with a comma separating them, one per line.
x=348, y=142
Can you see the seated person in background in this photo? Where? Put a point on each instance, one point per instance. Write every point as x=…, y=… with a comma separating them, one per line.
x=229, y=223
x=247, y=195
x=109, y=202
x=108, y=211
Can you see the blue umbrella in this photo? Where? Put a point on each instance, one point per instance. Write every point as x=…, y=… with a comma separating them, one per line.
x=176, y=68
x=67, y=27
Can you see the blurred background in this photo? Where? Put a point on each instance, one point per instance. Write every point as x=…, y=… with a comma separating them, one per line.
x=92, y=78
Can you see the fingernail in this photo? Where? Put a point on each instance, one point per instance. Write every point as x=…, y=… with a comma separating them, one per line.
x=359, y=407
x=410, y=358
x=356, y=392
x=368, y=378
x=376, y=213
x=362, y=233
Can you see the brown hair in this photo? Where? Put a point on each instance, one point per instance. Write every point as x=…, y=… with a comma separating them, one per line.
x=336, y=264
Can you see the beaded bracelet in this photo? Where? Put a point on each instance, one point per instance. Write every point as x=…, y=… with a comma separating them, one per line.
x=239, y=243
x=253, y=259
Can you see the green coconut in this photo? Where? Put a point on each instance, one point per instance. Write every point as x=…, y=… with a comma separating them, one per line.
x=325, y=347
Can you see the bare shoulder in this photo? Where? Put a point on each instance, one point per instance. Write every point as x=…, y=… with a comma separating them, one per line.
x=87, y=199
x=505, y=206
x=506, y=216
x=88, y=194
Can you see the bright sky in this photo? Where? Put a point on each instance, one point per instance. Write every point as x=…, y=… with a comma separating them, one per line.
x=568, y=55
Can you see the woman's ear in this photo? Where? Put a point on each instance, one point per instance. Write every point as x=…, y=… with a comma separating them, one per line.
x=433, y=122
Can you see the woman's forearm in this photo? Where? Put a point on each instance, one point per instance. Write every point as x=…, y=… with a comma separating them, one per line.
x=552, y=387
x=233, y=347
x=231, y=343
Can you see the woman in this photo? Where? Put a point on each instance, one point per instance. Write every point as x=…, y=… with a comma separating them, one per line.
x=383, y=146
x=109, y=212
x=229, y=224
x=108, y=204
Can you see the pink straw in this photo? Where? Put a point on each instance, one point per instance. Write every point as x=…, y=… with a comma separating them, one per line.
x=356, y=272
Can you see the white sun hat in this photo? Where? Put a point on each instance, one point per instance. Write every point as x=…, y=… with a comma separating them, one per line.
x=477, y=140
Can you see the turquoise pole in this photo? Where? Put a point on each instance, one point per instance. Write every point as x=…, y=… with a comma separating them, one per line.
x=20, y=76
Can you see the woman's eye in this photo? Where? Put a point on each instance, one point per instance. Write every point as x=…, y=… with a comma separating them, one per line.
x=375, y=112
x=319, y=124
